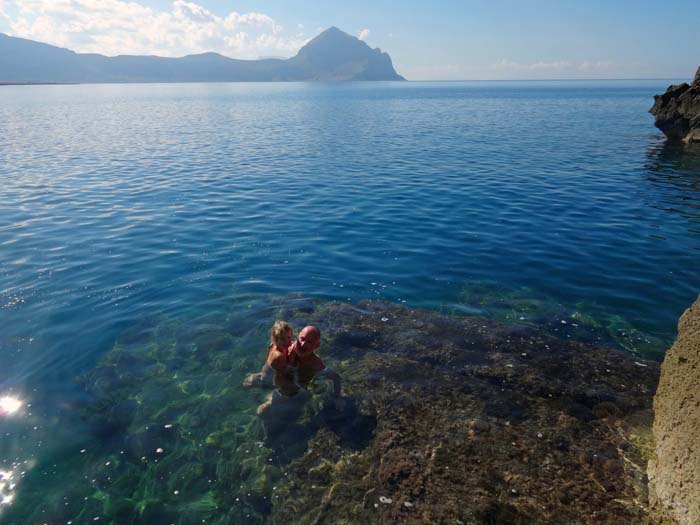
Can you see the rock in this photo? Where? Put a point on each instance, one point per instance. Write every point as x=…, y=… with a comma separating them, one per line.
x=433, y=416
x=479, y=425
x=463, y=437
x=147, y=441
x=674, y=470
x=677, y=111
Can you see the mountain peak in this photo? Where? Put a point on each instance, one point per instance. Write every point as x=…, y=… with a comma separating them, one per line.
x=332, y=35
x=336, y=55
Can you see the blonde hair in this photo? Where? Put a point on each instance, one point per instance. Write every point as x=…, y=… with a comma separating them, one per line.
x=278, y=333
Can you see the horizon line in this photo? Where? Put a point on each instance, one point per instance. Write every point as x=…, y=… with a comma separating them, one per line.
x=51, y=83
x=543, y=79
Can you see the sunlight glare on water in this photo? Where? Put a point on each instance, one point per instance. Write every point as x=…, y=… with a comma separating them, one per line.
x=9, y=405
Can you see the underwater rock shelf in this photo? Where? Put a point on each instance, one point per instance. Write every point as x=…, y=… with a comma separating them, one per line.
x=448, y=419
x=477, y=422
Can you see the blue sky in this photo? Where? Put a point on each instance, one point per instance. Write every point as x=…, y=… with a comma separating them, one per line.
x=441, y=39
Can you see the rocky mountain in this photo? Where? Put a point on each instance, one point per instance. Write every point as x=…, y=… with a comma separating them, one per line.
x=332, y=56
x=677, y=111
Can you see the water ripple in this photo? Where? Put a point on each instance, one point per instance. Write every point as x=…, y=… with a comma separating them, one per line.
x=118, y=202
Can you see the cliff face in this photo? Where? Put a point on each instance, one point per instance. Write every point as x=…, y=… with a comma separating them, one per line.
x=674, y=471
x=677, y=111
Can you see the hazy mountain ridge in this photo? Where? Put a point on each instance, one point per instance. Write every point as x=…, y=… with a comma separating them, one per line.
x=333, y=55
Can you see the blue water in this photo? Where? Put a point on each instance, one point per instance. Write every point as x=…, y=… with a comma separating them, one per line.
x=119, y=202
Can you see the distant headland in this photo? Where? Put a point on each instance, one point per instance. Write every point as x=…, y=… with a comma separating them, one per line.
x=332, y=56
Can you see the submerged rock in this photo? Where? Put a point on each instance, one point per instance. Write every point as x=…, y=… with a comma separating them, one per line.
x=674, y=471
x=583, y=321
x=476, y=422
x=445, y=419
x=677, y=111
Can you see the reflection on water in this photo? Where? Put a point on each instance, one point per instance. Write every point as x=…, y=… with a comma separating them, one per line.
x=674, y=168
x=7, y=486
x=9, y=405
x=12, y=470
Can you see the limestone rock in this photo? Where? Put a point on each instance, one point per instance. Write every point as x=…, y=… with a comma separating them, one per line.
x=677, y=111
x=674, y=470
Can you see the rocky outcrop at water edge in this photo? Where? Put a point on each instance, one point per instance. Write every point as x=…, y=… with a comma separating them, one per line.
x=677, y=111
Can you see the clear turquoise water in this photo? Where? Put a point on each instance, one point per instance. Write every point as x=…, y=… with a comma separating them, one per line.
x=118, y=203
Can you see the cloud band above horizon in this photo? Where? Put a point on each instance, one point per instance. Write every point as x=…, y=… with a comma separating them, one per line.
x=112, y=27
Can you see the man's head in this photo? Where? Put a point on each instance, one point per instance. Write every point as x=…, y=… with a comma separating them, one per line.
x=309, y=339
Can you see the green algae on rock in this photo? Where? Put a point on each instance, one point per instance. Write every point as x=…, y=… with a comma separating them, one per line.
x=478, y=422
x=447, y=419
x=582, y=320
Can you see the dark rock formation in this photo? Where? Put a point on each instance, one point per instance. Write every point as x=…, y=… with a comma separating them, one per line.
x=332, y=55
x=674, y=471
x=677, y=111
x=476, y=422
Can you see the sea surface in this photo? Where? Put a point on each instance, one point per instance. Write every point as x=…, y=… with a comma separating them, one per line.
x=537, y=202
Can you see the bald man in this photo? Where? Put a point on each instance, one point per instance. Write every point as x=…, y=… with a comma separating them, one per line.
x=302, y=366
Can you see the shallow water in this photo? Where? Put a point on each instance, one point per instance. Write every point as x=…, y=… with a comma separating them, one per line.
x=124, y=204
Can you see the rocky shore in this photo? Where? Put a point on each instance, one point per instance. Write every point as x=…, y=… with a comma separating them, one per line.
x=674, y=471
x=677, y=111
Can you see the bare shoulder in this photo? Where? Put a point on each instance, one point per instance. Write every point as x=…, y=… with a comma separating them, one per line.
x=276, y=359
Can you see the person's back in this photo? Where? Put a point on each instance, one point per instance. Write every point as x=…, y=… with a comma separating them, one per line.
x=280, y=339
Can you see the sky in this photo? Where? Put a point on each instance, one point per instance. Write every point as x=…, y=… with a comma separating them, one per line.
x=427, y=40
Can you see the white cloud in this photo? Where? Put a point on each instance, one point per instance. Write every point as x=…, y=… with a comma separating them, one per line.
x=441, y=68
x=507, y=65
x=598, y=66
x=562, y=66
x=3, y=13
x=126, y=27
x=363, y=34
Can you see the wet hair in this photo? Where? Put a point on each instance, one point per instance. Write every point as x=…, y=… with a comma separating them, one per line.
x=278, y=332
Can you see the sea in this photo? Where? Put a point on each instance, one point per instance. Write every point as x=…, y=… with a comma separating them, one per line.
x=131, y=206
